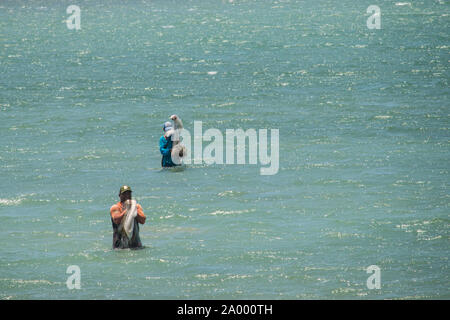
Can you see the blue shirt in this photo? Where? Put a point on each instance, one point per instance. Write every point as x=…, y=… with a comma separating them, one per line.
x=165, y=145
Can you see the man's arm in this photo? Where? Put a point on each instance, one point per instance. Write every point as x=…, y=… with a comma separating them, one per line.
x=140, y=215
x=164, y=146
x=116, y=214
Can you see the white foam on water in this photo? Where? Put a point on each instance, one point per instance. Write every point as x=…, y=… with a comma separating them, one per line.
x=225, y=212
x=10, y=202
x=383, y=117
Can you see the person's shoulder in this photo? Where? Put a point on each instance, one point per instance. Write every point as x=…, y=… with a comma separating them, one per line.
x=140, y=210
x=114, y=207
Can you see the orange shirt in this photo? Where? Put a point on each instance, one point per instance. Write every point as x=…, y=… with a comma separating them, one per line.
x=117, y=213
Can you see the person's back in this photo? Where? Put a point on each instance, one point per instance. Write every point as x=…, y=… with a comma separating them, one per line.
x=165, y=147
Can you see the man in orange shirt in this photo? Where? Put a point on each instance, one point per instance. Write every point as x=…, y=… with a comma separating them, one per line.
x=118, y=211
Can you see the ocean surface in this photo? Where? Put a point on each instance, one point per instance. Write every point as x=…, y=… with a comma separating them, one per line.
x=364, y=149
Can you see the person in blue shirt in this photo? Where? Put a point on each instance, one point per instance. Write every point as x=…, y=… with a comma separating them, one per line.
x=165, y=147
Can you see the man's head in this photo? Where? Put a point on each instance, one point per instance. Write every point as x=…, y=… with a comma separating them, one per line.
x=167, y=126
x=125, y=193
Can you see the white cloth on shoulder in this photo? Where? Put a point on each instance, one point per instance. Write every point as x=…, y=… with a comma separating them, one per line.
x=127, y=223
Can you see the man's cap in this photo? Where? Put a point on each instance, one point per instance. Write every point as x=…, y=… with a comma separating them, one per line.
x=167, y=126
x=124, y=189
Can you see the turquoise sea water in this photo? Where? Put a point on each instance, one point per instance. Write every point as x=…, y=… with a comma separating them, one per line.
x=363, y=117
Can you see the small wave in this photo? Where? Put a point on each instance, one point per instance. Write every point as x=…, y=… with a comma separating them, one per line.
x=206, y=276
x=229, y=193
x=224, y=104
x=382, y=117
x=400, y=4
x=224, y=212
x=238, y=276
x=37, y=281
x=10, y=202
x=341, y=235
x=425, y=238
